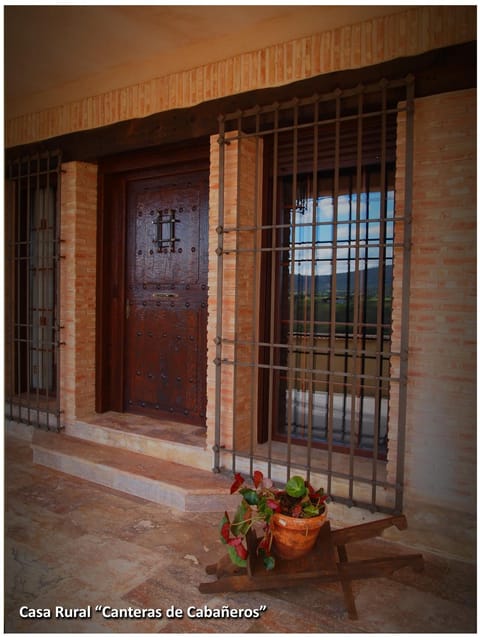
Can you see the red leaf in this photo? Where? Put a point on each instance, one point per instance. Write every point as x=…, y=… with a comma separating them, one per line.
x=297, y=510
x=257, y=478
x=225, y=530
x=263, y=544
x=235, y=542
x=242, y=552
x=239, y=548
x=272, y=504
x=236, y=483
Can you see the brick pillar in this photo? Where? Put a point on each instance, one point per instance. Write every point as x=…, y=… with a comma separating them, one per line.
x=242, y=173
x=78, y=289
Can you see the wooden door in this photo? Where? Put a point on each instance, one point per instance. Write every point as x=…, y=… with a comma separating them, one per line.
x=166, y=296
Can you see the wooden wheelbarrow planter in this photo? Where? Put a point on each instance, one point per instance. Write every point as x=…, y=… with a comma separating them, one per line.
x=327, y=562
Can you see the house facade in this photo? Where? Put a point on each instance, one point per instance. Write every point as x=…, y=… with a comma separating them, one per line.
x=264, y=261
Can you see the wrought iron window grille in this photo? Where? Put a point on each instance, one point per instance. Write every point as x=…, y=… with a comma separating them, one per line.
x=32, y=252
x=333, y=222
x=165, y=222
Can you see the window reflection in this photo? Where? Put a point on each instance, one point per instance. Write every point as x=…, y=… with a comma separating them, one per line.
x=336, y=271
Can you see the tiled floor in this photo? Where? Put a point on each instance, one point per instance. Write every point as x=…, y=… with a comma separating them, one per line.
x=71, y=544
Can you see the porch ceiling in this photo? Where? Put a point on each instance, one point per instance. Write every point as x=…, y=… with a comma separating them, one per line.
x=57, y=54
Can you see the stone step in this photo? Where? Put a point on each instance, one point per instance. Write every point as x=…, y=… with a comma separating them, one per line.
x=148, y=477
x=166, y=440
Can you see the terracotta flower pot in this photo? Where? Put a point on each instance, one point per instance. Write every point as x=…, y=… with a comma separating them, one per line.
x=295, y=537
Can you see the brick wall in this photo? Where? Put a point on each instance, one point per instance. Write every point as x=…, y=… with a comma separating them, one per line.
x=78, y=289
x=440, y=452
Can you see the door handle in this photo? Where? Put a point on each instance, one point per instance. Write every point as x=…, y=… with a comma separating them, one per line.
x=164, y=294
x=127, y=309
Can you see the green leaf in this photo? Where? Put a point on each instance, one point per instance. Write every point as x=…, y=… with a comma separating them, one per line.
x=263, y=550
x=264, y=508
x=241, y=522
x=250, y=495
x=235, y=558
x=310, y=511
x=295, y=487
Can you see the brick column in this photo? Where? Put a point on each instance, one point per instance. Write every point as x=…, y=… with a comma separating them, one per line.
x=240, y=290
x=78, y=289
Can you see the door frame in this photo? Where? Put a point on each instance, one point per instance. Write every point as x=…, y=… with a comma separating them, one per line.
x=114, y=173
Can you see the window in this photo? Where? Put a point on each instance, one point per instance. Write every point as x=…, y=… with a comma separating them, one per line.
x=32, y=290
x=335, y=301
x=312, y=290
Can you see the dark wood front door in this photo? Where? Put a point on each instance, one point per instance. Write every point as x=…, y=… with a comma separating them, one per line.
x=166, y=297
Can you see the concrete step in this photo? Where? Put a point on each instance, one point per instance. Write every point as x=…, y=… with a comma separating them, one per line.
x=148, y=477
x=171, y=441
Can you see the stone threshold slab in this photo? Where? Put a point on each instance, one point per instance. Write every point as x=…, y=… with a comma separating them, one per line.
x=164, y=482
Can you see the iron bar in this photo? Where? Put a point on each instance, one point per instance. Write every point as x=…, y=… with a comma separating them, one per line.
x=291, y=264
x=321, y=123
x=29, y=297
x=306, y=348
x=313, y=271
x=259, y=457
x=326, y=97
x=237, y=291
x=333, y=295
x=273, y=296
x=380, y=295
x=402, y=412
x=219, y=292
x=267, y=227
x=254, y=352
x=326, y=248
x=356, y=297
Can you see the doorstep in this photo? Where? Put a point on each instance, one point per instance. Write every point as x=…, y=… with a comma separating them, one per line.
x=169, y=440
x=162, y=481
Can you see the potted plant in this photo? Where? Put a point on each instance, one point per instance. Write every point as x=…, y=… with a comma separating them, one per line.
x=290, y=519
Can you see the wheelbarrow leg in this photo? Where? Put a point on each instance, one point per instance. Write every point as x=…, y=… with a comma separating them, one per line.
x=347, y=586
